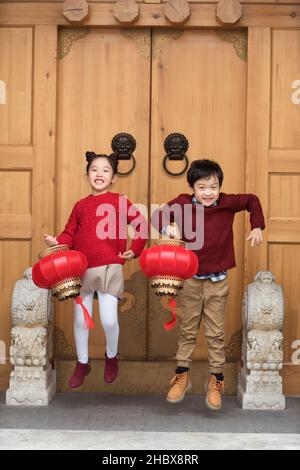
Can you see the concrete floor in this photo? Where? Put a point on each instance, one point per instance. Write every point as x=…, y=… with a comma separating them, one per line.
x=33, y=439
x=146, y=419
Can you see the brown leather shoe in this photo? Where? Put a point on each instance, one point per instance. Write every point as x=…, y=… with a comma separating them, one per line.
x=79, y=374
x=179, y=386
x=110, y=369
x=215, y=388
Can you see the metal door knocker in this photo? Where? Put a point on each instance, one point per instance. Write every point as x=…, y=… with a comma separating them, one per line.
x=176, y=146
x=123, y=145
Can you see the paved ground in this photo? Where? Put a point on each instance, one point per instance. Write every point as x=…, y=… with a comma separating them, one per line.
x=33, y=439
x=140, y=418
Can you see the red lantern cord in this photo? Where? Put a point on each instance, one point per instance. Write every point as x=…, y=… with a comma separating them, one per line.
x=170, y=324
x=87, y=318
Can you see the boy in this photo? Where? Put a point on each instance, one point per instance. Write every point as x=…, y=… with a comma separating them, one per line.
x=205, y=295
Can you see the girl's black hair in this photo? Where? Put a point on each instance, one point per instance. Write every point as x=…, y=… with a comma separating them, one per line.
x=204, y=169
x=112, y=159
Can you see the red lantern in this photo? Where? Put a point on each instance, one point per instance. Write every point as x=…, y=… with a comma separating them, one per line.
x=168, y=264
x=60, y=270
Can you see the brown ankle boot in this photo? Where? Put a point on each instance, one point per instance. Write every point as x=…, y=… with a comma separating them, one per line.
x=110, y=369
x=215, y=388
x=79, y=374
x=179, y=386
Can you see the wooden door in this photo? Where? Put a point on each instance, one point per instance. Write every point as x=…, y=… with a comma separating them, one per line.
x=104, y=88
x=242, y=112
x=199, y=89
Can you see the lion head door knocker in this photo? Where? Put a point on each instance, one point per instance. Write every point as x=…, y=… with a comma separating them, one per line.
x=176, y=146
x=123, y=145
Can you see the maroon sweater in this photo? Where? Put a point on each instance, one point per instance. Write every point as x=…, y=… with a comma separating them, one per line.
x=81, y=230
x=217, y=253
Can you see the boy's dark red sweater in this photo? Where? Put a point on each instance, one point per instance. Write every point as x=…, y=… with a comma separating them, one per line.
x=217, y=253
x=100, y=213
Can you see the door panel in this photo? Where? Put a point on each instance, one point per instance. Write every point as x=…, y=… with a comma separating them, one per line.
x=15, y=176
x=199, y=89
x=104, y=88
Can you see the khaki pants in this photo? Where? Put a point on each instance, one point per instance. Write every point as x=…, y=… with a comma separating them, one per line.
x=205, y=299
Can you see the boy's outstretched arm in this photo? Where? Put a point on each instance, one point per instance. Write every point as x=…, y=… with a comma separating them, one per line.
x=255, y=236
x=251, y=203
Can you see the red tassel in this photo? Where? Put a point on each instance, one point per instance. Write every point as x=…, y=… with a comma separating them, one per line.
x=87, y=318
x=170, y=324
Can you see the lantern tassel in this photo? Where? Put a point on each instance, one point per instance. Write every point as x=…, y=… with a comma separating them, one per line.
x=87, y=318
x=170, y=324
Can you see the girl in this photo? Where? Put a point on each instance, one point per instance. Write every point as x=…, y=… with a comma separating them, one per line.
x=98, y=228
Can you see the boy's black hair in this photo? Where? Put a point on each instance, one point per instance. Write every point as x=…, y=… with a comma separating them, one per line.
x=204, y=169
x=112, y=160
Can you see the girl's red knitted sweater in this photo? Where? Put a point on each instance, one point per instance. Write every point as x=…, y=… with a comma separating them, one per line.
x=98, y=228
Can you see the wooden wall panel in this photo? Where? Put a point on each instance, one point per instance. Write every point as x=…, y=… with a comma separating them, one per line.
x=199, y=89
x=258, y=130
x=44, y=134
x=284, y=196
x=12, y=201
x=27, y=124
x=285, y=129
x=283, y=189
x=16, y=74
x=104, y=88
x=15, y=171
x=284, y=261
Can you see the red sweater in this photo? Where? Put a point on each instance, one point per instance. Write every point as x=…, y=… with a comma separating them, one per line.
x=217, y=253
x=92, y=217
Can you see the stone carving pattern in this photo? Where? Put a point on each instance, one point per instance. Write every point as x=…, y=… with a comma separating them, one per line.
x=260, y=385
x=32, y=381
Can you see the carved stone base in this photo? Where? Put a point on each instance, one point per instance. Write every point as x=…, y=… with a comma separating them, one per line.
x=260, y=390
x=32, y=395
x=261, y=401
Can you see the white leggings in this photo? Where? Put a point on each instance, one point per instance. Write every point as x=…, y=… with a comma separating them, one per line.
x=108, y=311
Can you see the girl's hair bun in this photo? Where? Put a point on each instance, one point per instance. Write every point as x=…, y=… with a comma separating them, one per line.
x=113, y=156
x=90, y=155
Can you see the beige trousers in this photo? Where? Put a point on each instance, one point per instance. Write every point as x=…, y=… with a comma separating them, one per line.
x=107, y=279
x=202, y=299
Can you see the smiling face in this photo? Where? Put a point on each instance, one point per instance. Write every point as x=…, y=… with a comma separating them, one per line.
x=207, y=190
x=100, y=175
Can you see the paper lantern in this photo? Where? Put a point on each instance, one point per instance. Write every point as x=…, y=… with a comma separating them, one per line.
x=60, y=269
x=167, y=264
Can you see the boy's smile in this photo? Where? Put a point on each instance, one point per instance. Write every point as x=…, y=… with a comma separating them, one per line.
x=207, y=190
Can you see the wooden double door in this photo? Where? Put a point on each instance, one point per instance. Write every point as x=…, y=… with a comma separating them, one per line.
x=64, y=91
x=150, y=83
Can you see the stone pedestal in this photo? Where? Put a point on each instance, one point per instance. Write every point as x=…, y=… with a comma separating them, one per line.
x=32, y=381
x=258, y=391
x=259, y=382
